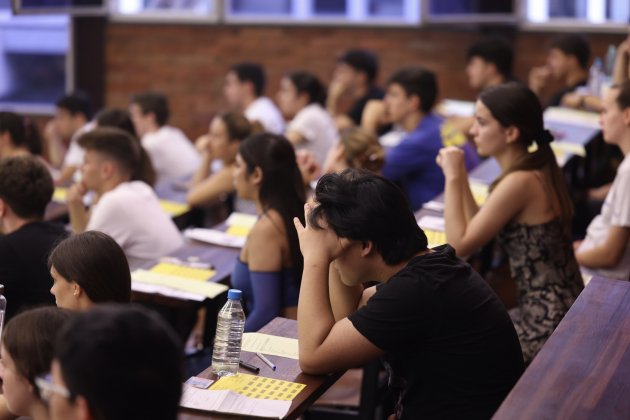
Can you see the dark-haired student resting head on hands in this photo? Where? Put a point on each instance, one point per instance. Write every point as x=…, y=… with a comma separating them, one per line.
x=449, y=345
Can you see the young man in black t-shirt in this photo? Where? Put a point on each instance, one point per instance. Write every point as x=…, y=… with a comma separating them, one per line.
x=26, y=188
x=447, y=341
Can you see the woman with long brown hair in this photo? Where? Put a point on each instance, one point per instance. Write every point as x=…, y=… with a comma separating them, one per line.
x=529, y=210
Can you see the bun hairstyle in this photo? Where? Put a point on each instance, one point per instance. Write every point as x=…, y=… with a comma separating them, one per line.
x=362, y=149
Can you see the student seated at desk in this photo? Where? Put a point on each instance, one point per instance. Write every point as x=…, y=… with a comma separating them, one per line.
x=73, y=114
x=124, y=206
x=172, y=154
x=28, y=342
x=26, y=188
x=120, y=118
x=489, y=63
x=115, y=362
x=270, y=265
x=355, y=77
x=224, y=137
x=89, y=268
x=244, y=89
x=606, y=249
x=301, y=98
x=409, y=101
x=567, y=61
x=528, y=210
x=447, y=341
x=18, y=136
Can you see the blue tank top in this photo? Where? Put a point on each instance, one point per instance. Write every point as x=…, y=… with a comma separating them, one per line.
x=265, y=294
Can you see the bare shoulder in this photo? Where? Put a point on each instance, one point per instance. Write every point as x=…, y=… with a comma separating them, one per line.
x=266, y=243
x=269, y=225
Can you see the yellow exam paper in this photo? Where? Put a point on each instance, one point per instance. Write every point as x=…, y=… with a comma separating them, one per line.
x=435, y=237
x=174, y=209
x=566, y=147
x=237, y=230
x=60, y=195
x=239, y=224
x=270, y=344
x=479, y=192
x=183, y=271
x=259, y=387
x=204, y=288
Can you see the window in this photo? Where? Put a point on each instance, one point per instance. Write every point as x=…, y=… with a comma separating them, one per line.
x=164, y=10
x=322, y=11
x=615, y=12
x=33, y=60
x=470, y=11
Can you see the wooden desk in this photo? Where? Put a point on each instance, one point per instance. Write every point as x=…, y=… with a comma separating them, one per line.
x=583, y=370
x=288, y=370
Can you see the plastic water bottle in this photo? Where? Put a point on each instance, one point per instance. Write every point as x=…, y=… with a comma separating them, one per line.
x=3, y=307
x=227, y=341
x=595, y=77
x=609, y=62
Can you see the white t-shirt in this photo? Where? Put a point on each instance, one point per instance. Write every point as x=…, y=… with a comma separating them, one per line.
x=76, y=154
x=615, y=212
x=131, y=214
x=318, y=129
x=172, y=154
x=267, y=113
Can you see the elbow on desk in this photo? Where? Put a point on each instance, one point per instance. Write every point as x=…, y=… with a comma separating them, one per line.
x=310, y=368
x=311, y=365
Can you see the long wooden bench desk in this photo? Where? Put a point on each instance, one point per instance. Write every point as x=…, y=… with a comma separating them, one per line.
x=287, y=370
x=583, y=370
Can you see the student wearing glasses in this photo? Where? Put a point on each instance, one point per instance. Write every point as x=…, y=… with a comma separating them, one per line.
x=27, y=350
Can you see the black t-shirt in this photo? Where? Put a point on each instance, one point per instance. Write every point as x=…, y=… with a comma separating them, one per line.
x=357, y=109
x=451, y=348
x=24, y=265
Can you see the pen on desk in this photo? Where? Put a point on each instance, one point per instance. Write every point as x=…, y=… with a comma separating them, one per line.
x=267, y=361
x=247, y=366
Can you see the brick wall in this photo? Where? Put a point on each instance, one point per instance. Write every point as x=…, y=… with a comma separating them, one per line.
x=188, y=62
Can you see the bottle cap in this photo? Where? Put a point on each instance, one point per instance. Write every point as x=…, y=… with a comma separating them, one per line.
x=234, y=294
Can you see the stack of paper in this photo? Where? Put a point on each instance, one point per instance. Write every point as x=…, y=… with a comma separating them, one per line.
x=215, y=237
x=572, y=116
x=239, y=224
x=433, y=228
x=225, y=401
x=270, y=344
x=175, y=286
x=479, y=192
